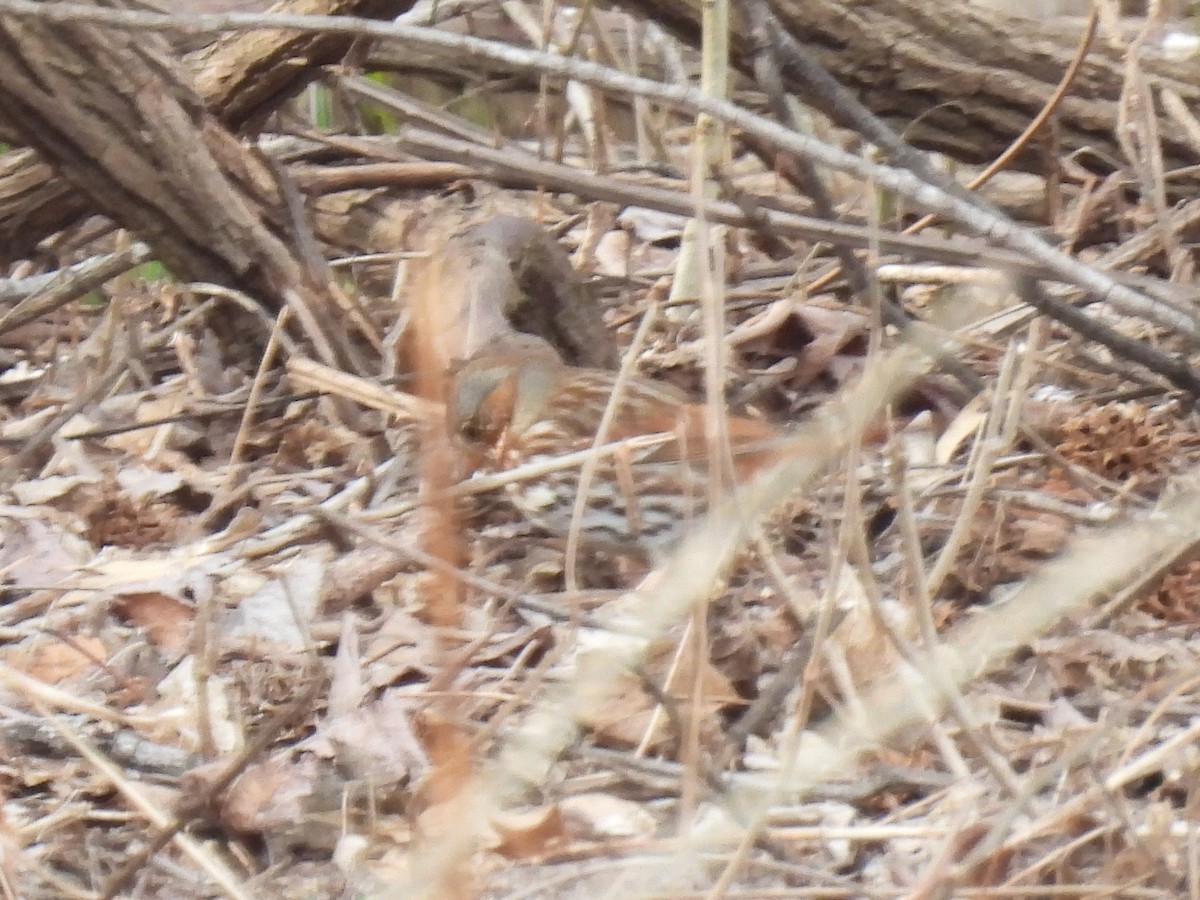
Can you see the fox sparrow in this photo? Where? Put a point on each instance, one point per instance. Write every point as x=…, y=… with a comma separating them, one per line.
x=520, y=404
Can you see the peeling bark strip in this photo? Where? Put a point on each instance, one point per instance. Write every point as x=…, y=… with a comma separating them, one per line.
x=241, y=78
x=956, y=78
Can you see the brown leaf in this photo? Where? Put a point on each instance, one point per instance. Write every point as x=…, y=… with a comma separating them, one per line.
x=276, y=795
x=523, y=835
x=166, y=620
x=53, y=661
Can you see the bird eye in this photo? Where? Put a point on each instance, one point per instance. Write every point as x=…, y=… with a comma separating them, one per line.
x=471, y=430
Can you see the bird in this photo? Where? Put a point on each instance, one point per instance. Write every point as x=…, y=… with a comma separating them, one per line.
x=518, y=404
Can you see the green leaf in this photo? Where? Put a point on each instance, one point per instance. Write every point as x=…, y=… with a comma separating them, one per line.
x=152, y=271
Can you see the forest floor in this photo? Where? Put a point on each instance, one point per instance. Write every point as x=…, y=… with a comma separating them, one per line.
x=945, y=648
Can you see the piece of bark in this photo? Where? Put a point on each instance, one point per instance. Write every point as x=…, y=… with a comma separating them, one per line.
x=506, y=274
x=550, y=300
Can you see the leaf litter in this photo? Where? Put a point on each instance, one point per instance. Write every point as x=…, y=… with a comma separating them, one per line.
x=268, y=677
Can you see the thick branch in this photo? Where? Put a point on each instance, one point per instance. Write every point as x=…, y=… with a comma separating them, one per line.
x=958, y=78
x=239, y=79
x=118, y=118
x=243, y=77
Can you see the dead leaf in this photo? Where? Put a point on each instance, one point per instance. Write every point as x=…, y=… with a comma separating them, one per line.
x=964, y=426
x=53, y=661
x=376, y=743
x=528, y=834
x=142, y=481
x=166, y=620
x=612, y=254
x=278, y=613
x=39, y=491
x=402, y=647
x=290, y=801
x=630, y=715
x=347, y=690
x=180, y=700
x=860, y=647
x=36, y=553
x=832, y=331
x=650, y=225
x=596, y=816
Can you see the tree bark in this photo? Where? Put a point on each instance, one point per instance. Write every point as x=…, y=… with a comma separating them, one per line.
x=113, y=116
x=117, y=117
x=960, y=79
x=243, y=77
x=240, y=79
